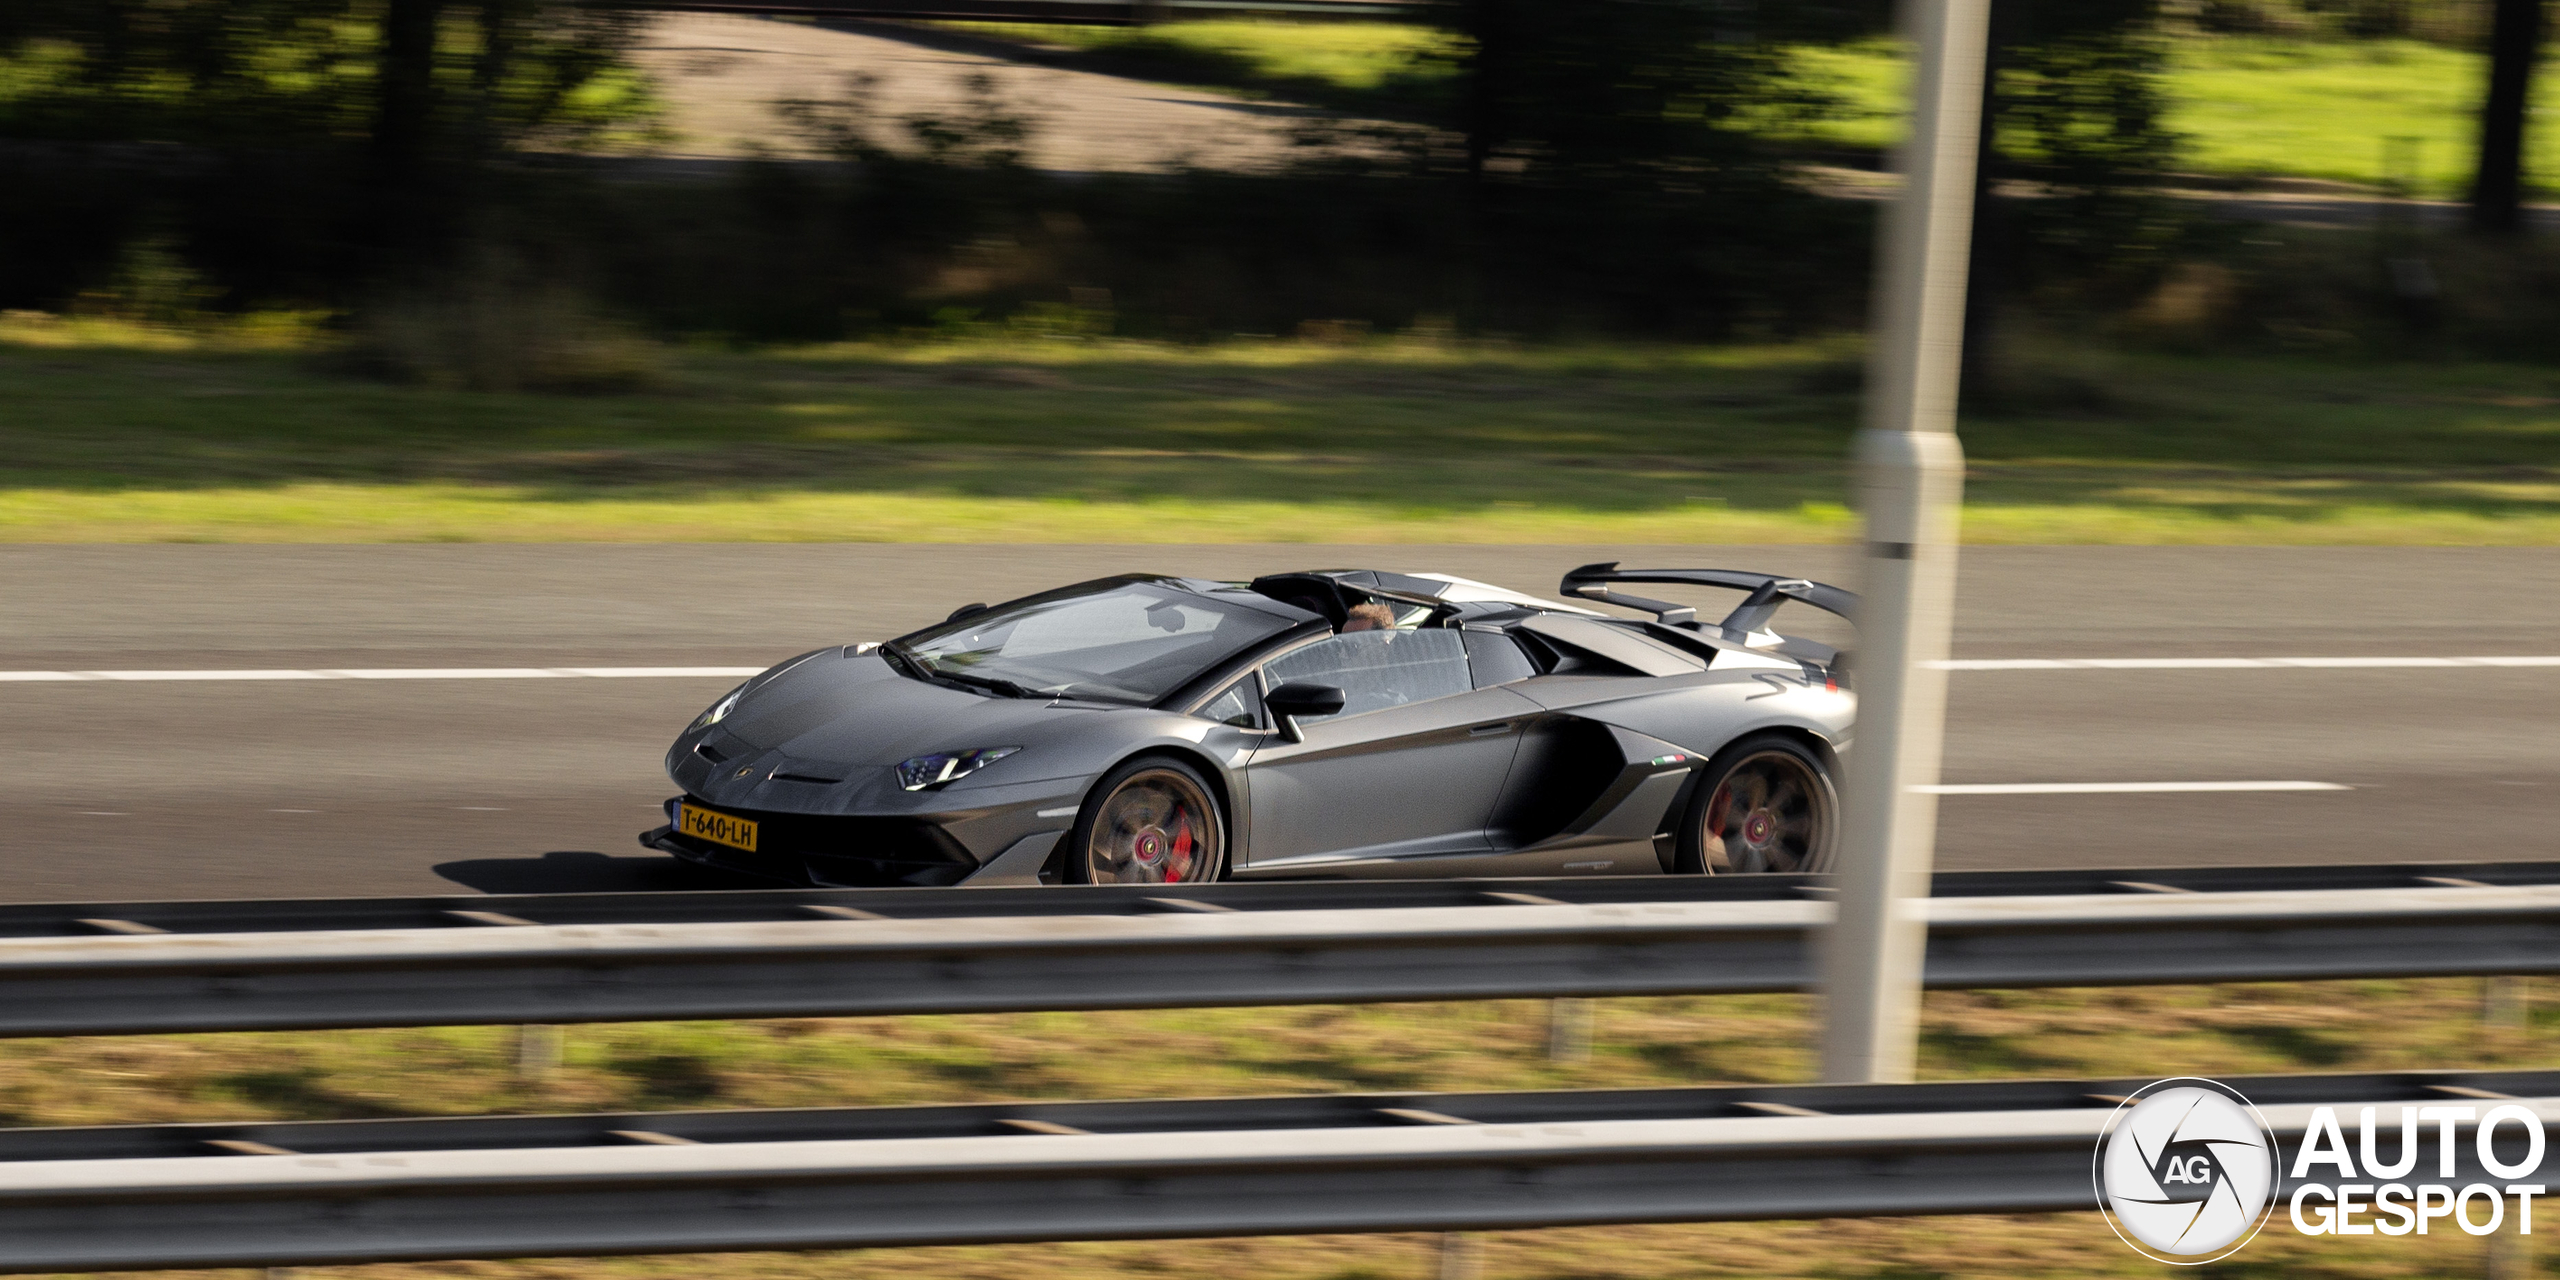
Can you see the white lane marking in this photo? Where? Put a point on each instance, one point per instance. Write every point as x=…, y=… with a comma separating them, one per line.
x=398, y=673
x=197, y=675
x=657, y=673
x=2108, y=788
x=2209, y=664
x=446, y=673
x=2370, y=662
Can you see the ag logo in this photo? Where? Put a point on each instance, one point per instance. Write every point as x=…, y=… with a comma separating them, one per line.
x=2186, y=1171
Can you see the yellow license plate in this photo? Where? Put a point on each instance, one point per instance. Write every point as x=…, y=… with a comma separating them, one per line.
x=718, y=828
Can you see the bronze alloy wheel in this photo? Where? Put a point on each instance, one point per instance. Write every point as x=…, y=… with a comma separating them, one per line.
x=1156, y=826
x=1772, y=809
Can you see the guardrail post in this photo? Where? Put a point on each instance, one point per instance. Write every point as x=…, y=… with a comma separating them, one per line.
x=1910, y=477
x=1461, y=1256
x=1569, y=1029
x=2510, y=1251
x=2504, y=1000
x=537, y=1052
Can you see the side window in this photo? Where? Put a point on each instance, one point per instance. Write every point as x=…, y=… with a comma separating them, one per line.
x=1496, y=659
x=1378, y=669
x=1240, y=705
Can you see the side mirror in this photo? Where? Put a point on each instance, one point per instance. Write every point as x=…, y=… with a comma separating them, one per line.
x=1299, y=698
x=964, y=611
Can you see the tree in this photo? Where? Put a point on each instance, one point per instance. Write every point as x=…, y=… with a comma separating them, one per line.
x=403, y=113
x=2074, y=91
x=398, y=76
x=1611, y=92
x=2515, y=41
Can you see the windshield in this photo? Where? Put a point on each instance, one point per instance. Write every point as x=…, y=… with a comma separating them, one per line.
x=1116, y=641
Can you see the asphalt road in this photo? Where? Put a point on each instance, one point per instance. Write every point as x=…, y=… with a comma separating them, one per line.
x=155, y=789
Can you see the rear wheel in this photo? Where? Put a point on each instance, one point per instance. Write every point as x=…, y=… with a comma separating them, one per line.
x=1767, y=803
x=1150, y=821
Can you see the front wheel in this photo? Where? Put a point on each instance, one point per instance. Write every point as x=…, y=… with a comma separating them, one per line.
x=1767, y=803
x=1150, y=821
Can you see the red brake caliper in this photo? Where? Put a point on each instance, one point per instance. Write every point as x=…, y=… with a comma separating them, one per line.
x=1178, y=867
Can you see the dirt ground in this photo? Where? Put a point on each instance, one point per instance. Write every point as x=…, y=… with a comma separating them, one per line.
x=720, y=75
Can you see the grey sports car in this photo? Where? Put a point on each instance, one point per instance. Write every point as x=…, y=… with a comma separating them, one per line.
x=1335, y=723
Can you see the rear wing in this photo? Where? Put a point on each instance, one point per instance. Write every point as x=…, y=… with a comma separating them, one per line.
x=1747, y=625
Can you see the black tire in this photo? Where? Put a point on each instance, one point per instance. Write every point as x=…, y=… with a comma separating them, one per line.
x=1789, y=820
x=1152, y=820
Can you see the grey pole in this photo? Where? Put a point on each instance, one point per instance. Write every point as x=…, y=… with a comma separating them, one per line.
x=1910, y=478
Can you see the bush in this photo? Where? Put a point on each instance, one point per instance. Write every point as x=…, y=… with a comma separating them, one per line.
x=2356, y=293
x=496, y=326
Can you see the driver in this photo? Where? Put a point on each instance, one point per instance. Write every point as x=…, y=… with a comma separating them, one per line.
x=1369, y=617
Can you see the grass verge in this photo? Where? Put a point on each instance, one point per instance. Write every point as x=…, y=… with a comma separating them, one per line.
x=139, y=435
x=2256, y=107
x=2223, y=1030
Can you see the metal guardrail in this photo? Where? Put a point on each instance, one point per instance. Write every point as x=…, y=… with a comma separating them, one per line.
x=739, y=906
x=512, y=970
x=398, y=1190
x=1188, y=1115
x=381, y=1190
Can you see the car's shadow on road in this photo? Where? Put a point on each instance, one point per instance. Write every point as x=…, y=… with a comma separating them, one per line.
x=583, y=871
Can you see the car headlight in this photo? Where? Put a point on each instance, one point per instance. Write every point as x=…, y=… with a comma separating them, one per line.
x=719, y=710
x=947, y=766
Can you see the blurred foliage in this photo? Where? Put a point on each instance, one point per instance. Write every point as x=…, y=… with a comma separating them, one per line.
x=2068, y=208
x=1604, y=92
x=1390, y=69
x=1615, y=167
x=916, y=216
x=2087, y=113
x=2461, y=24
x=1599, y=167
x=2248, y=108
x=494, y=323
x=273, y=148
x=229, y=74
x=2087, y=109
x=260, y=147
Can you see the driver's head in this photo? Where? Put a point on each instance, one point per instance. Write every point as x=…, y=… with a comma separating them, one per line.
x=1369, y=617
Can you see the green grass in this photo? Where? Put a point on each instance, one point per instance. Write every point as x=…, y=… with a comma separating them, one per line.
x=119, y=434
x=2216, y=1031
x=2323, y=111
x=1479, y=1045
x=2256, y=107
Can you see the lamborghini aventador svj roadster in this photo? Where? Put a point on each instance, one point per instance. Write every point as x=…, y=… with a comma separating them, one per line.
x=1145, y=729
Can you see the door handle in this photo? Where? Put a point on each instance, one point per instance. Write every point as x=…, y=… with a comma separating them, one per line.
x=1488, y=730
